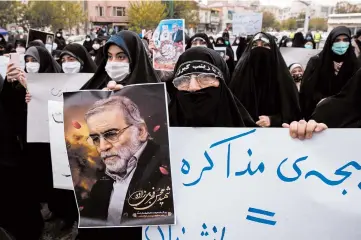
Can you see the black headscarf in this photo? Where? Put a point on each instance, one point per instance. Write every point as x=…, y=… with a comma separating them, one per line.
x=2, y=41
x=20, y=42
x=320, y=80
x=309, y=37
x=344, y=109
x=264, y=85
x=42, y=56
x=242, y=45
x=229, y=52
x=186, y=38
x=298, y=40
x=141, y=70
x=60, y=41
x=199, y=35
x=81, y=54
x=211, y=40
x=282, y=41
x=37, y=42
x=100, y=56
x=209, y=107
x=88, y=44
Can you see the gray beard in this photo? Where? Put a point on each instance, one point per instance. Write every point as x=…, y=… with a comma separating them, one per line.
x=120, y=164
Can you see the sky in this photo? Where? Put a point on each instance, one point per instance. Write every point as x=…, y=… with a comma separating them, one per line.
x=284, y=3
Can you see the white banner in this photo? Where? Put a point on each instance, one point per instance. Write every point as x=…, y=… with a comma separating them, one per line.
x=59, y=155
x=259, y=184
x=298, y=55
x=246, y=23
x=44, y=87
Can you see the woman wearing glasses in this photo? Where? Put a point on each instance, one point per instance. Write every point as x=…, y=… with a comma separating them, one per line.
x=264, y=85
x=201, y=97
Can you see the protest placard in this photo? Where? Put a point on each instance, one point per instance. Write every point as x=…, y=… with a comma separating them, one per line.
x=261, y=184
x=298, y=55
x=169, y=43
x=46, y=37
x=44, y=87
x=246, y=23
x=59, y=156
x=118, y=149
x=221, y=50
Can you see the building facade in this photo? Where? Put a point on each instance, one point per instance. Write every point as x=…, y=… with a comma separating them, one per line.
x=209, y=20
x=112, y=14
x=350, y=20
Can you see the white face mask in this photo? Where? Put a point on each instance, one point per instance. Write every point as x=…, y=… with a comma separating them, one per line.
x=58, y=35
x=117, y=71
x=96, y=46
x=71, y=67
x=289, y=44
x=87, y=39
x=237, y=41
x=32, y=67
x=20, y=50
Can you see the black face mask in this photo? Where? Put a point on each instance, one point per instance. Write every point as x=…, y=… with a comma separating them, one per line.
x=198, y=107
x=297, y=78
x=2, y=52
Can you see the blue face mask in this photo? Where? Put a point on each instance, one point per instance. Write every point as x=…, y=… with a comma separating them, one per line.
x=308, y=38
x=340, y=48
x=309, y=46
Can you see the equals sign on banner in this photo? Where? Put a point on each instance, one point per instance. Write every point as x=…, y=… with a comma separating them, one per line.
x=262, y=214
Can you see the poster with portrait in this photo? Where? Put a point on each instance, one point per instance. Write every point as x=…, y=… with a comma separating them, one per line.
x=118, y=150
x=169, y=44
x=221, y=50
x=45, y=37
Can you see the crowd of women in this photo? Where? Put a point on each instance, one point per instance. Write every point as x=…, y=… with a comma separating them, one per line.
x=259, y=90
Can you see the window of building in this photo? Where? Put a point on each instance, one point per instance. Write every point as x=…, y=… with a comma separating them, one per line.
x=118, y=11
x=100, y=11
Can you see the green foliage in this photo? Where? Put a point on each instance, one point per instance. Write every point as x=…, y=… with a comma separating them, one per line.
x=145, y=15
x=289, y=24
x=269, y=20
x=187, y=10
x=318, y=24
x=11, y=12
x=346, y=7
x=57, y=14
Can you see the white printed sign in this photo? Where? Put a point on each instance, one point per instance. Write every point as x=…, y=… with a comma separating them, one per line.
x=298, y=55
x=261, y=184
x=44, y=87
x=246, y=23
x=59, y=155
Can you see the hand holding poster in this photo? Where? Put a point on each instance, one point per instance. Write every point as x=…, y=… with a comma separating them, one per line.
x=261, y=184
x=59, y=155
x=169, y=44
x=119, y=156
x=44, y=87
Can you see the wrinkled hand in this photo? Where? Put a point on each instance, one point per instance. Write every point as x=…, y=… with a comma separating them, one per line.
x=12, y=73
x=113, y=86
x=264, y=121
x=303, y=129
x=27, y=97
